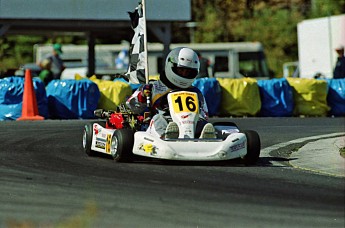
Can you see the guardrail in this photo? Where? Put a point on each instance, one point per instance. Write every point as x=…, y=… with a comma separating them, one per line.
x=77, y=99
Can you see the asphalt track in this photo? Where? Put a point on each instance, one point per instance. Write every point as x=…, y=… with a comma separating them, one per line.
x=47, y=181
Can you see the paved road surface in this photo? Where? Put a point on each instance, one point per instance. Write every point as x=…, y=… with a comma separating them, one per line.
x=46, y=180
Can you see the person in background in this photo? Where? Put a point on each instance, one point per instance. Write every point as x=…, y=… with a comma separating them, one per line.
x=122, y=60
x=46, y=75
x=204, y=65
x=339, y=70
x=57, y=65
x=181, y=68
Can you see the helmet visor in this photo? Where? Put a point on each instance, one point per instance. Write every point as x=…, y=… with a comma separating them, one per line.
x=184, y=72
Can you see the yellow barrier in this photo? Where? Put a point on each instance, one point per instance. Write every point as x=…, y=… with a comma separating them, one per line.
x=310, y=96
x=240, y=97
x=113, y=93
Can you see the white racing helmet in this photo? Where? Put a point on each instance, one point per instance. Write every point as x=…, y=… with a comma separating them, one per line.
x=181, y=67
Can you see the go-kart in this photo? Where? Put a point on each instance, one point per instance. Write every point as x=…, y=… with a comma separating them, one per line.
x=123, y=135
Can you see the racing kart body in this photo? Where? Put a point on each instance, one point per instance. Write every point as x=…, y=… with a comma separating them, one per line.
x=124, y=135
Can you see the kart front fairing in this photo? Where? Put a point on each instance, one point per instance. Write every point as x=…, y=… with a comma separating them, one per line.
x=148, y=145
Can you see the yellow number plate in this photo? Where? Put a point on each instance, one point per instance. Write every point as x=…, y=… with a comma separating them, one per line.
x=185, y=102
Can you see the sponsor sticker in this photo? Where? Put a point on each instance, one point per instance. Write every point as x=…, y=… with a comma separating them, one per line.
x=100, y=139
x=237, y=147
x=100, y=145
x=187, y=122
x=108, y=143
x=95, y=129
x=148, y=139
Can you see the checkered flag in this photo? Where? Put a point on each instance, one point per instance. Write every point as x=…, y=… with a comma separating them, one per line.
x=137, y=54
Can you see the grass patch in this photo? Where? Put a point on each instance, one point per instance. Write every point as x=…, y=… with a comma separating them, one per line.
x=83, y=219
x=295, y=149
x=342, y=152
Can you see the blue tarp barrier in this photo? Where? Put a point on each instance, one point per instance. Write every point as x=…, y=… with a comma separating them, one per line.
x=212, y=92
x=72, y=99
x=276, y=98
x=11, y=97
x=336, y=96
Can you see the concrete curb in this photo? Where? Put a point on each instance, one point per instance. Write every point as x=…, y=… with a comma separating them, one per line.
x=321, y=156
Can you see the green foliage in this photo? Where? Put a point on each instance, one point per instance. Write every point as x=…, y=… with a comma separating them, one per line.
x=5, y=50
x=342, y=152
x=17, y=50
x=272, y=22
x=207, y=28
x=276, y=30
x=323, y=8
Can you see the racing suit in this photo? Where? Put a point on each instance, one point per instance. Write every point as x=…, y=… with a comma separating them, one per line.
x=159, y=103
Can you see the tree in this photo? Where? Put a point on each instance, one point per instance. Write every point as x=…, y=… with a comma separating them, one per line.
x=16, y=50
x=272, y=22
x=276, y=30
x=322, y=8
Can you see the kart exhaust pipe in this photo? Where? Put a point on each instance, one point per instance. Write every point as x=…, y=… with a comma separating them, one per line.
x=98, y=113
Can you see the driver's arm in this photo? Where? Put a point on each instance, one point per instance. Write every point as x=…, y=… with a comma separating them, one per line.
x=137, y=101
x=203, y=107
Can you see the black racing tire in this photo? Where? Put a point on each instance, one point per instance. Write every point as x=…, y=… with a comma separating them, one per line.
x=253, y=147
x=102, y=123
x=87, y=139
x=121, y=147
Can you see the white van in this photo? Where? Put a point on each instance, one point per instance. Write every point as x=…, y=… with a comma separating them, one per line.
x=317, y=40
x=230, y=60
x=233, y=60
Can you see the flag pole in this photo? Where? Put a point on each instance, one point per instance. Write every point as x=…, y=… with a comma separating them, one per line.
x=145, y=42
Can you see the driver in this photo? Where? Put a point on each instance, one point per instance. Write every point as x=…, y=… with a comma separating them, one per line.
x=181, y=68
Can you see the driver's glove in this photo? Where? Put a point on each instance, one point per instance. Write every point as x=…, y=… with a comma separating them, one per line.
x=146, y=90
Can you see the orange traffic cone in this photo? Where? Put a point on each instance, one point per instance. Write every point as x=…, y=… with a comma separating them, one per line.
x=29, y=108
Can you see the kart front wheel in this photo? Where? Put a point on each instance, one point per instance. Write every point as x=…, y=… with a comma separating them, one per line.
x=87, y=139
x=122, y=145
x=253, y=147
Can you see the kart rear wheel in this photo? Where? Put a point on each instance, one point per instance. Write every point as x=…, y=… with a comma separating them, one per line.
x=122, y=145
x=253, y=147
x=87, y=139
